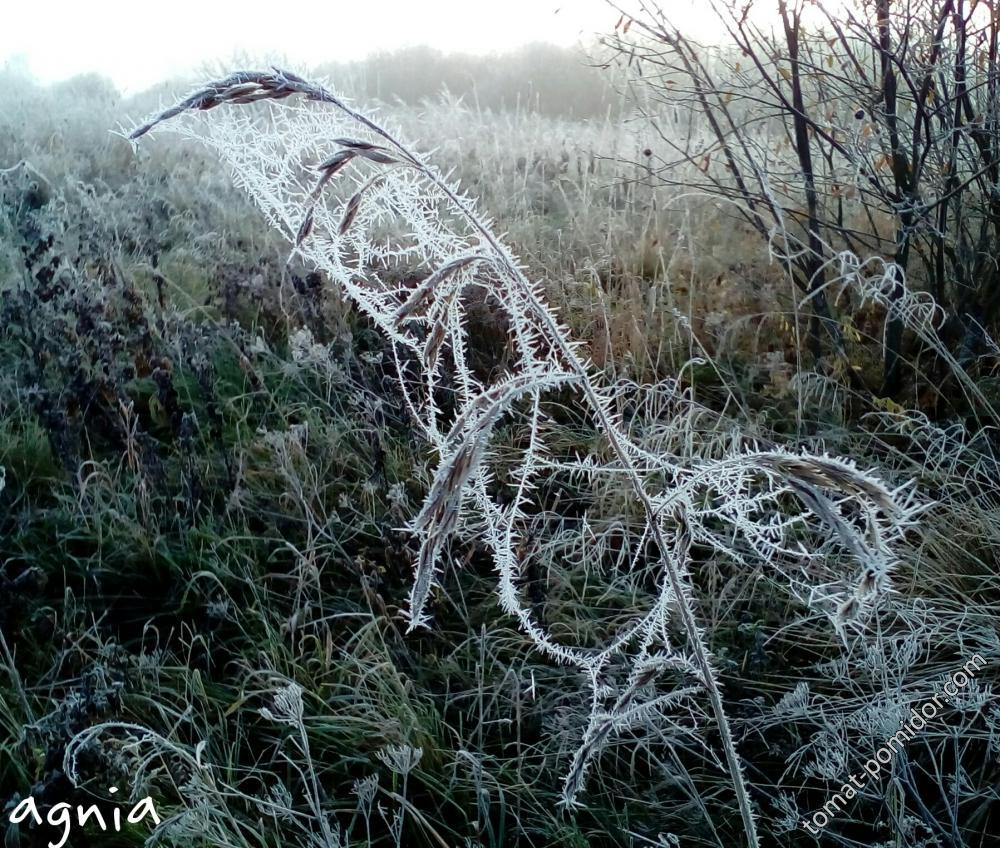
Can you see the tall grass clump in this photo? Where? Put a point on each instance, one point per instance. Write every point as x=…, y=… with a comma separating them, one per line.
x=540, y=457
x=865, y=127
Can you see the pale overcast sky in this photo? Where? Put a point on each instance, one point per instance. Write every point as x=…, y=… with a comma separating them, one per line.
x=140, y=42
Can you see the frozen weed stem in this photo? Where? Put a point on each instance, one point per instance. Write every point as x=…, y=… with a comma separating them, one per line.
x=364, y=208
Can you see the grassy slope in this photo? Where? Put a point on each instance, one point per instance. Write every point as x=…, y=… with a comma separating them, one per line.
x=202, y=506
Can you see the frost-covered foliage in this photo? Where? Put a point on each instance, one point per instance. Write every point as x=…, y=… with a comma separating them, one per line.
x=415, y=256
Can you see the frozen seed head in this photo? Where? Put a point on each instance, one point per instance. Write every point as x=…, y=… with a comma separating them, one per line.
x=288, y=706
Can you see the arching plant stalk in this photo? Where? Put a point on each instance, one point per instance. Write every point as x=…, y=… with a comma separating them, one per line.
x=362, y=206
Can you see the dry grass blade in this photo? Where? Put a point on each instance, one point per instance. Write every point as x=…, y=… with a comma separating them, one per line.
x=469, y=437
x=422, y=293
x=831, y=474
x=868, y=585
x=260, y=95
x=245, y=87
x=329, y=168
x=600, y=731
x=336, y=162
x=378, y=156
x=437, y=521
x=355, y=144
x=435, y=341
x=484, y=411
x=305, y=228
x=351, y=211
x=239, y=88
x=353, y=205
